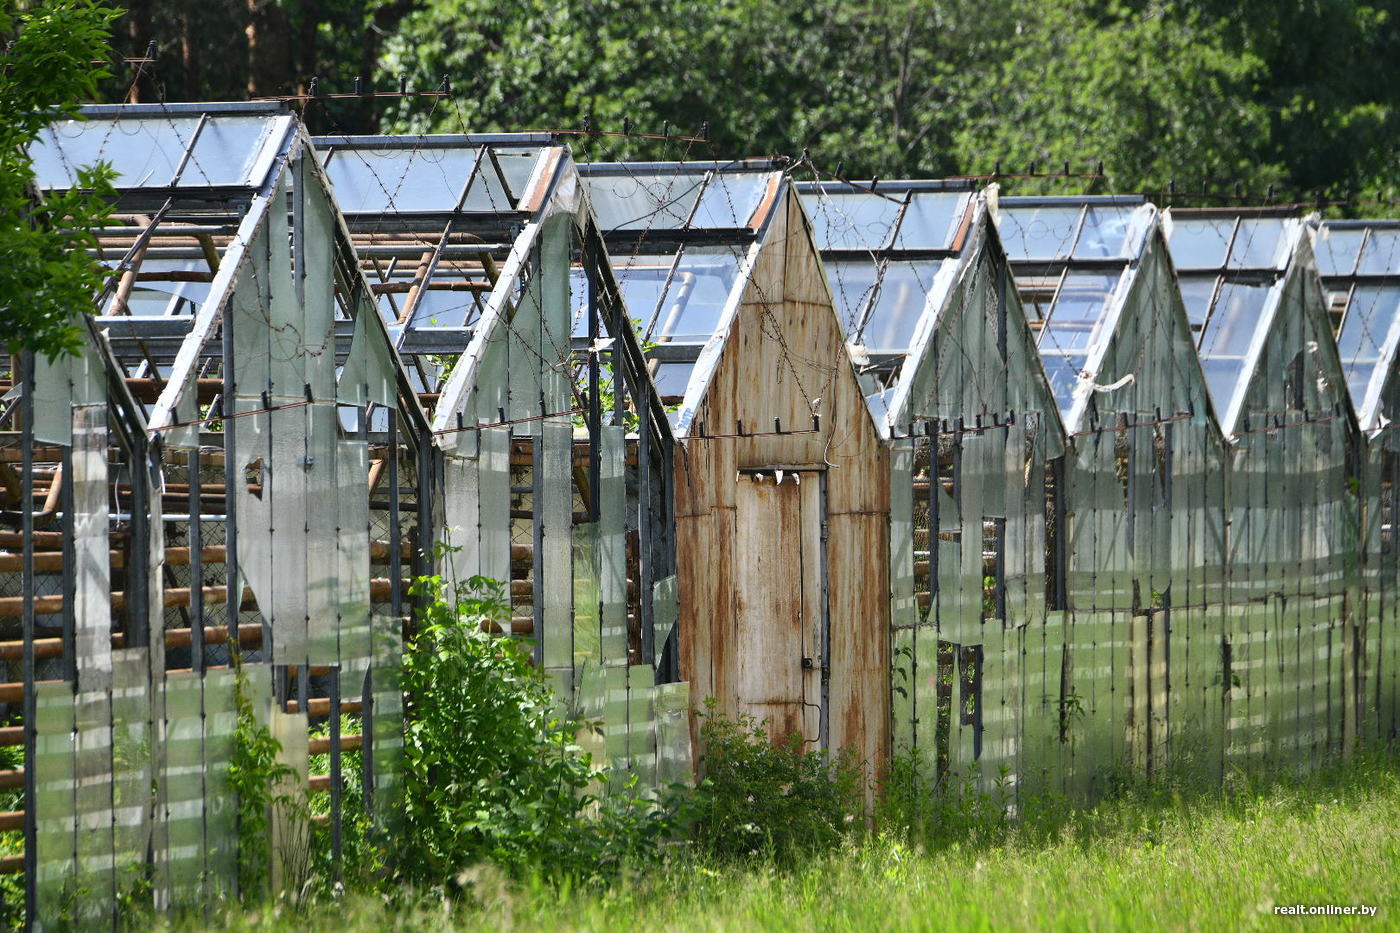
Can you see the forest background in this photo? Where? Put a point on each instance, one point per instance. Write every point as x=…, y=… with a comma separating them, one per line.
x=1296, y=100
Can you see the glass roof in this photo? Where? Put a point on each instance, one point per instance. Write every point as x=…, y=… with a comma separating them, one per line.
x=1216, y=240
x=1360, y=265
x=882, y=250
x=371, y=179
x=1061, y=229
x=1068, y=255
x=677, y=234
x=163, y=150
x=675, y=197
x=1229, y=264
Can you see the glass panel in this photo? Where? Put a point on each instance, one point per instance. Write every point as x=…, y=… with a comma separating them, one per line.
x=699, y=291
x=931, y=220
x=379, y=180
x=1200, y=244
x=1368, y=320
x=1382, y=253
x=1232, y=321
x=1258, y=243
x=898, y=306
x=439, y=307
x=642, y=202
x=730, y=199
x=671, y=378
x=1196, y=294
x=1062, y=371
x=851, y=284
x=143, y=152
x=851, y=219
x=1222, y=374
x=1105, y=233
x=641, y=280
x=1076, y=312
x=147, y=152
x=1038, y=232
x=1337, y=249
x=226, y=151
x=487, y=192
x=578, y=292
x=517, y=165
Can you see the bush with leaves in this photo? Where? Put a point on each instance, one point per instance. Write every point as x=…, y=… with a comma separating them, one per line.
x=48, y=275
x=493, y=770
x=261, y=782
x=771, y=801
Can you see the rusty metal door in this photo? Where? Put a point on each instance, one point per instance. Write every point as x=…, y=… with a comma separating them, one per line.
x=781, y=636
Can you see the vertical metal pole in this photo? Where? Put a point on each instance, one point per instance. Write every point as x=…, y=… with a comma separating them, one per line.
x=335, y=775
x=395, y=545
x=303, y=686
x=645, y=516
x=138, y=569
x=233, y=477
x=196, y=542
x=426, y=560
x=27, y=440
x=367, y=742
x=537, y=515
x=595, y=415
x=69, y=664
x=824, y=716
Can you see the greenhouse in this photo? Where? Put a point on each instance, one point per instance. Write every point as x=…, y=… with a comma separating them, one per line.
x=1359, y=262
x=1253, y=295
x=1028, y=487
x=779, y=467
x=976, y=448
x=268, y=391
x=556, y=471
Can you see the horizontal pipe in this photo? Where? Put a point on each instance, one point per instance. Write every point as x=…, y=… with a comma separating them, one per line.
x=321, y=706
x=321, y=745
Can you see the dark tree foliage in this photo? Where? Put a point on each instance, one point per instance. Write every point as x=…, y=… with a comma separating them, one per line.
x=1300, y=95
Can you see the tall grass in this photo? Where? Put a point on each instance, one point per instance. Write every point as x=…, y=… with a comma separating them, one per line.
x=1151, y=858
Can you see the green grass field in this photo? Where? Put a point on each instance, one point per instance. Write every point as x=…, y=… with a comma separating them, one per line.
x=1148, y=860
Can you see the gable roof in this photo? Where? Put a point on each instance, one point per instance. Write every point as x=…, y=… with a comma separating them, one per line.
x=1253, y=296
x=1359, y=261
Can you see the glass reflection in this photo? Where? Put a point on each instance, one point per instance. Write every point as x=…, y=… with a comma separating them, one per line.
x=1077, y=310
x=1196, y=294
x=643, y=202
x=1337, y=249
x=851, y=219
x=1200, y=244
x=892, y=320
x=1038, y=233
x=407, y=180
x=1257, y=244
x=1105, y=232
x=852, y=283
x=932, y=219
x=698, y=293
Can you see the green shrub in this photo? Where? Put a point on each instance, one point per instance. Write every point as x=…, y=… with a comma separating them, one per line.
x=492, y=770
x=260, y=782
x=778, y=802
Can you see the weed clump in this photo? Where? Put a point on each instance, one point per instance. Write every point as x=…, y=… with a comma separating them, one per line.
x=493, y=770
x=778, y=802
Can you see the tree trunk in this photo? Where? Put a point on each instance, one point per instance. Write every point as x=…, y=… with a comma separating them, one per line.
x=269, y=49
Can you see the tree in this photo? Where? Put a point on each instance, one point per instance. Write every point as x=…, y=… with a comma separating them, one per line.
x=47, y=275
x=1154, y=93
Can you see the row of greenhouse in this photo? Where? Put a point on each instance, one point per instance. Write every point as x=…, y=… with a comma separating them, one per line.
x=1034, y=490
